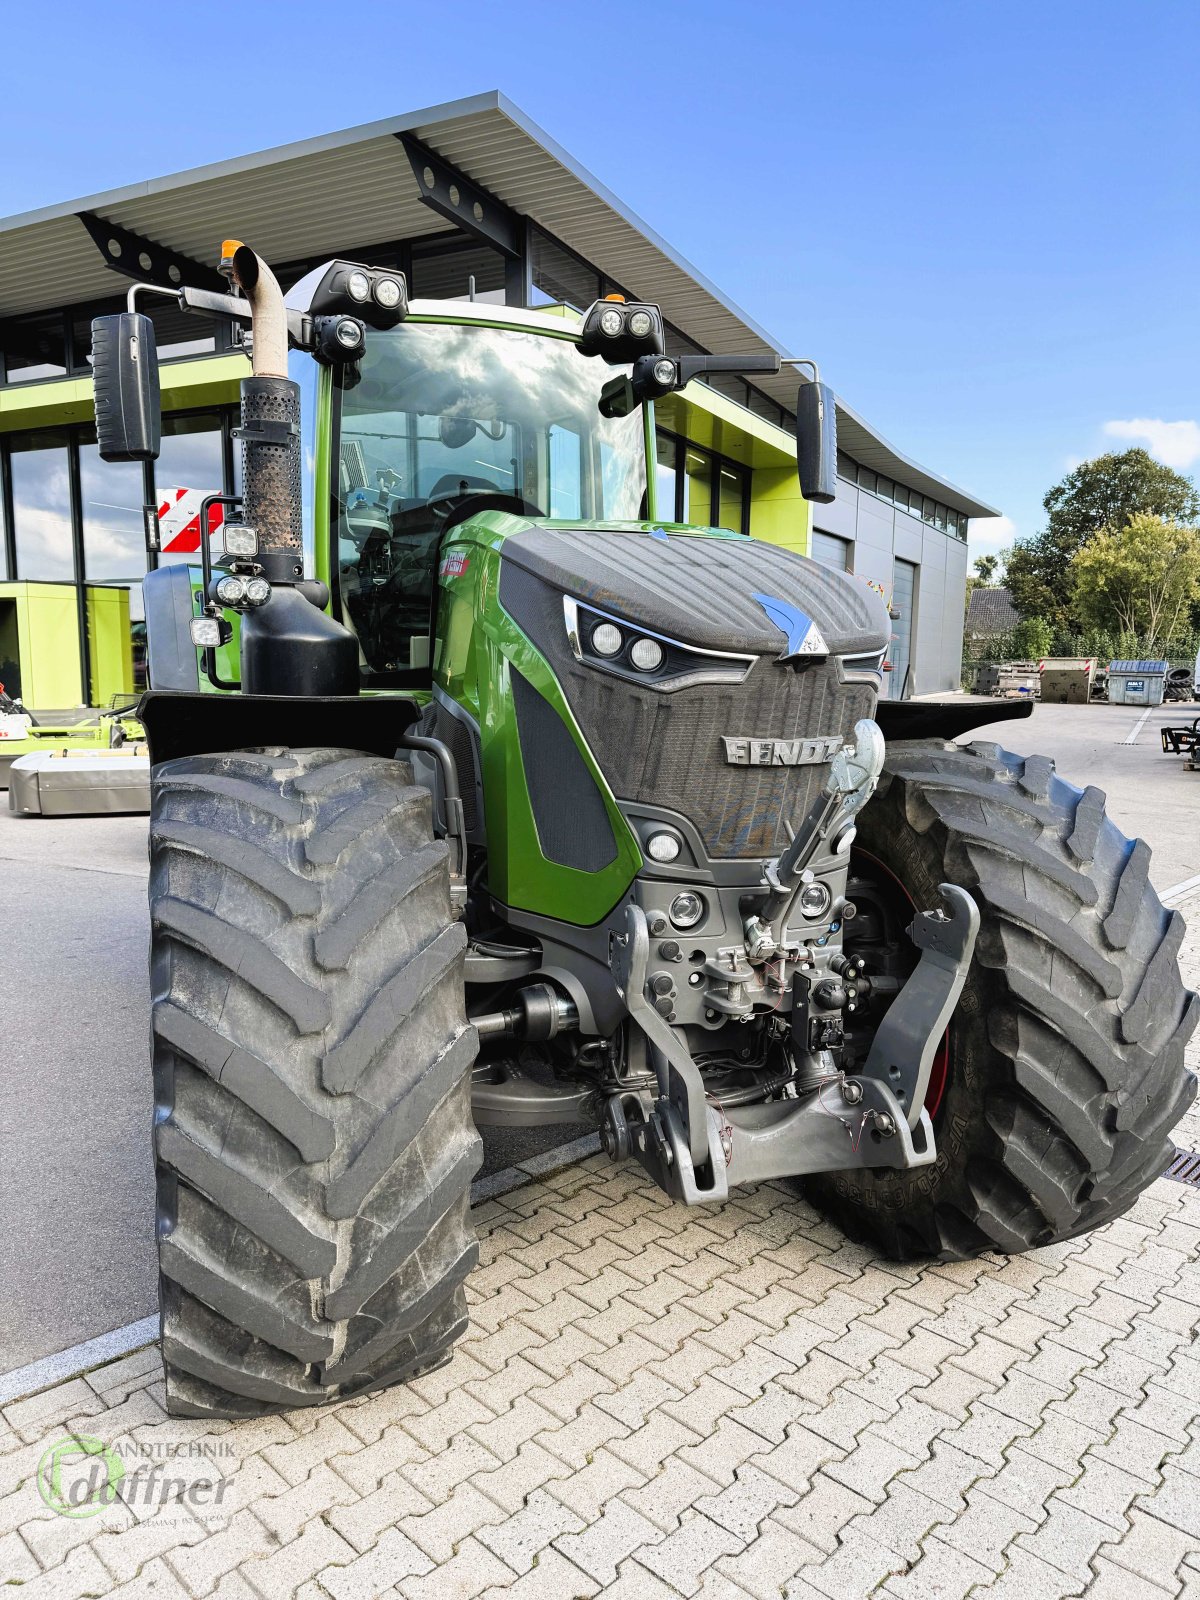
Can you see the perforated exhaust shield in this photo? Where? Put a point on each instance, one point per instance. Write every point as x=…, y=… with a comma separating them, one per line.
x=271, y=486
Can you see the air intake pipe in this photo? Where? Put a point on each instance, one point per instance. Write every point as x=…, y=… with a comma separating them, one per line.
x=288, y=646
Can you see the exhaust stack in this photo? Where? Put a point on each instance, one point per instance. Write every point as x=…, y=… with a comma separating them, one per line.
x=270, y=430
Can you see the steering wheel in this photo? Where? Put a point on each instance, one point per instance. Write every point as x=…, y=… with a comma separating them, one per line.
x=463, y=506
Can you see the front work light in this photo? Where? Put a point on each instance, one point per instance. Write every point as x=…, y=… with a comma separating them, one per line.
x=621, y=333
x=209, y=633
x=230, y=591
x=687, y=909
x=240, y=540
x=337, y=340
x=646, y=655
x=378, y=295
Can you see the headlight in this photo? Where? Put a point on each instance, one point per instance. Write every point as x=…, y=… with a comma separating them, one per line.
x=230, y=591
x=358, y=286
x=640, y=323
x=610, y=322
x=387, y=292
x=646, y=654
x=664, y=373
x=606, y=639
x=258, y=591
x=663, y=847
x=349, y=333
x=815, y=900
x=686, y=910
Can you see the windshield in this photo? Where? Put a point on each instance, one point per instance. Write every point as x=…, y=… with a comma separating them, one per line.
x=440, y=420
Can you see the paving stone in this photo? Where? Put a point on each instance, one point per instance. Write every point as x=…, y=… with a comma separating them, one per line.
x=648, y=1447
x=511, y=1483
x=575, y=1442
x=51, y=1409
x=152, y=1581
x=858, y=1566
x=902, y=1522
x=1152, y=1549
x=81, y=1574
x=364, y=1468
x=1113, y=1582
x=464, y=1511
x=871, y=1466
x=553, y=1578
x=471, y=1569
x=613, y=1537
x=682, y=1558
x=1025, y=1578
x=987, y=1527
x=286, y=1514
x=746, y=1503
x=819, y=1516
x=1068, y=1539
x=392, y=1558
x=520, y=1541
x=362, y=1521
x=766, y=1566
x=1103, y=1491
x=200, y=1566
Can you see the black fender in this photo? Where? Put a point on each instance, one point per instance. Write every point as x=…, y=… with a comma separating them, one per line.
x=945, y=719
x=178, y=723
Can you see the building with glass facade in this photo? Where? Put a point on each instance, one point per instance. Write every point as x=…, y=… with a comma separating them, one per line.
x=469, y=199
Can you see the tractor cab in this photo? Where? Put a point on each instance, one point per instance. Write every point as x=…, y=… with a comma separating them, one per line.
x=455, y=412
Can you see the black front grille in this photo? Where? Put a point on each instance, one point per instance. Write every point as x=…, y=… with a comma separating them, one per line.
x=665, y=749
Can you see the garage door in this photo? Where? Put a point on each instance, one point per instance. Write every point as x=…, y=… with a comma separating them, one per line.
x=904, y=600
x=831, y=551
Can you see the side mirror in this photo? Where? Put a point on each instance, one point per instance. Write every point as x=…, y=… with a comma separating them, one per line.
x=125, y=380
x=816, y=442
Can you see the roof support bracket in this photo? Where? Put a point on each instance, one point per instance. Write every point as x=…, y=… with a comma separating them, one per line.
x=455, y=197
x=134, y=256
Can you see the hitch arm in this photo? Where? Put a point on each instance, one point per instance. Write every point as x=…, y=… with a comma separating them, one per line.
x=903, y=1049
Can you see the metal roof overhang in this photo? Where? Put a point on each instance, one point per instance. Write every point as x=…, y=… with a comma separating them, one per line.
x=356, y=188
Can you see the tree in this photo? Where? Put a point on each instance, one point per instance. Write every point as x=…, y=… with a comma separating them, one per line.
x=1032, y=638
x=1143, y=578
x=1104, y=493
x=985, y=567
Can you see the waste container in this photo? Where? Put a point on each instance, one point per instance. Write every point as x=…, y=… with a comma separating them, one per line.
x=1136, y=683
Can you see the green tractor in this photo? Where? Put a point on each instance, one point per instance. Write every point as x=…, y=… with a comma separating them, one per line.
x=481, y=795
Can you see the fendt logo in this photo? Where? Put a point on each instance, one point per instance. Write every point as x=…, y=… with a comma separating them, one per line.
x=742, y=751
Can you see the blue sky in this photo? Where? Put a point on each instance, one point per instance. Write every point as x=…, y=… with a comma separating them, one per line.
x=982, y=218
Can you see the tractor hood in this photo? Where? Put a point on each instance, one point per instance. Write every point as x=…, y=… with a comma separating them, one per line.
x=715, y=592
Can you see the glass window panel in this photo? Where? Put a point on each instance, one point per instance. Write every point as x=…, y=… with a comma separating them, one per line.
x=111, y=496
x=665, y=477
x=941, y=516
x=41, y=489
x=566, y=473
x=846, y=468
x=900, y=496
x=731, y=500
x=866, y=479
x=927, y=509
x=35, y=348
x=116, y=643
x=697, y=487
x=190, y=465
x=885, y=488
x=558, y=279
x=445, y=274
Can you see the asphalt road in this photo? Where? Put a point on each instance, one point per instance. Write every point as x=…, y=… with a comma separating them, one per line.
x=76, y=1179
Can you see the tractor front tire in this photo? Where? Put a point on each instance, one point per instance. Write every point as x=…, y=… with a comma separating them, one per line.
x=1065, y=1070
x=312, y=1060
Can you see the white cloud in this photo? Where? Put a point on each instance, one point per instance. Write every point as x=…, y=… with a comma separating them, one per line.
x=988, y=536
x=1175, y=444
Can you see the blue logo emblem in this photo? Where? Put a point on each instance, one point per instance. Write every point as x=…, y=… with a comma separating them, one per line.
x=801, y=632
x=658, y=533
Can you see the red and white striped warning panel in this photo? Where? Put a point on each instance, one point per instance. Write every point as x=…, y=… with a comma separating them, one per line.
x=179, y=519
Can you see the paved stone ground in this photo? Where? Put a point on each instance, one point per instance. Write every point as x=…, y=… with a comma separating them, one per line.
x=656, y=1402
